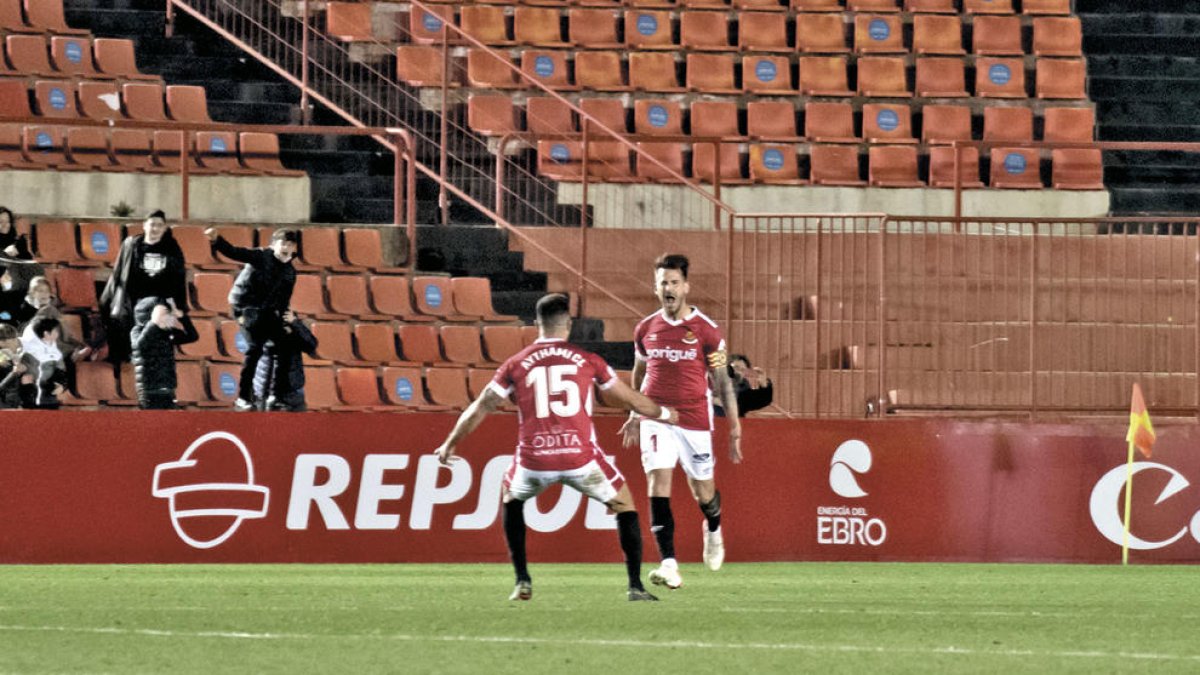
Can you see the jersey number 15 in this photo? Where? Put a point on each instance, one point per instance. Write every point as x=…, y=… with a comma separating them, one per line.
x=550, y=380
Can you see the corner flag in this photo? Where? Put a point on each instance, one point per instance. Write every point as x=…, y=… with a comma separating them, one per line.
x=1141, y=433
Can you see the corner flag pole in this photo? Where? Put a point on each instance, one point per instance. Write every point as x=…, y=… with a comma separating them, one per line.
x=1128, y=502
x=1141, y=436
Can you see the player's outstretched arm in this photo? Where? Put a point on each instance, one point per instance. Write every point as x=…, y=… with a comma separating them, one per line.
x=723, y=388
x=470, y=418
x=630, y=431
x=620, y=395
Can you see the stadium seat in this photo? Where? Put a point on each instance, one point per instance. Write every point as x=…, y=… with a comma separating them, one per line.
x=320, y=247
x=593, y=28
x=1000, y=77
x=705, y=31
x=941, y=78
x=763, y=32
x=191, y=390
x=186, y=103
x=941, y=167
x=835, y=165
x=1016, y=168
x=657, y=117
x=95, y=383
x=529, y=334
x=930, y=6
x=887, y=123
x=334, y=343
x=72, y=56
x=169, y=152
x=423, y=66
x=210, y=293
x=1077, y=169
x=892, y=166
x=88, y=148
x=715, y=119
x=237, y=235
x=711, y=74
x=945, y=124
x=427, y=27
x=645, y=29
x=491, y=115
x=564, y=160
x=349, y=21
x=820, y=34
x=824, y=76
x=127, y=385
x=47, y=15
x=348, y=295
x=659, y=162
x=217, y=150
x=760, y=5
x=774, y=165
x=548, y=67
x=197, y=250
x=12, y=20
x=308, y=299
x=883, y=77
x=233, y=341
x=114, y=57
x=1070, y=125
x=56, y=242
x=937, y=35
x=653, y=71
x=1007, y=125
x=144, y=101
x=546, y=115
x=100, y=241
x=364, y=248
x=14, y=99
x=1061, y=78
x=320, y=390
x=478, y=379
x=1057, y=36
x=650, y=3
x=879, y=34
x=767, y=75
x=705, y=4
x=729, y=167
x=473, y=297
x=205, y=346
x=485, y=23
x=448, y=387
x=29, y=55
x=260, y=153
x=390, y=295
x=872, y=6
x=988, y=6
x=827, y=122
x=996, y=36
x=491, y=71
x=501, y=342
x=461, y=345
x=434, y=297
x=772, y=121
x=376, y=343
x=419, y=344
x=358, y=388
x=46, y=146
x=1060, y=7
x=817, y=5
x=75, y=288
x=599, y=71
x=12, y=148
x=131, y=148
x=405, y=387
x=100, y=101
x=55, y=99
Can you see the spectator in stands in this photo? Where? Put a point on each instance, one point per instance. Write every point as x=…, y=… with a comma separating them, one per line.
x=11, y=367
x=10, y=296
x=148, y=265
x=751, y=385
x=15, y=253
x=279, y=379
x=39, y=295
x=44, y=364
x=156, y=332
x=260, y=297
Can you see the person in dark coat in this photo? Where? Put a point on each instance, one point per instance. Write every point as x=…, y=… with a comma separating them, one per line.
x=17, y=265
x=751, y=385
x=279, y=378
x=155, y=334
x=12, y=367
x=259, y=298
x=150, y=264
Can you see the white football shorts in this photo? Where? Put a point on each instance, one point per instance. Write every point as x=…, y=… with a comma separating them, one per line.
x=598, y=479
x=664, y=444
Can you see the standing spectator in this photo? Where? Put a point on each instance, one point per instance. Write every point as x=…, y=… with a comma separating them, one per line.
x=11, y=367
x=751, y=385
x=279, y=378
x=156, y=332
x=260, y=297
x=150, y=264
x=44, y=363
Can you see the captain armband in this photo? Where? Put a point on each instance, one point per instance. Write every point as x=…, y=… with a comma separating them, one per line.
x=718, y=359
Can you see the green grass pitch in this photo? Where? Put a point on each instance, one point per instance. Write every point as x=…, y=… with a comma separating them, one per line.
x=747, y=618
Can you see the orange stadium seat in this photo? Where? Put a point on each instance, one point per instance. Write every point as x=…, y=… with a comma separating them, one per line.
x=1007, y=125
x=1057, y=36
x=260, y=153
x=892, y=166
x=131, y=148
x=879, y=34
x=390, y=296
x=711, y=74
x=760, y=5
x=705, y=31
x=73, y=56
x=427, y=27
x=772, y=121
x=1062, y=7
x=988, y=6
x=715, y=119
x=308, y=299
x=95, y=382
x=883, y=77
x=649, y=30
x=349, y=21
x=872, y=6
x=763, y=32
x=941, y=78
x=1072, y=125
x=593, y=28
x=238, y=236
x=941, y=167
x=1016, y=168
x=650, y=3
x=320, y=247
x=538, y=26
x=127, y=385
x=46, y=146
x=478, y=379
x=729, y=166
x=660, y=162
x=169, y=152
x=996, y=36
x=461, y=345
x=1000, y=77
x=529, y=334
x=1077, y=169
x=824, y=76
x=564, y=160
x=187, y=103
x=88, y=147
x=434, y=297
x=75, y=288
x=233, y=341
x=774, y=164
x=546, y=115
x=11, y=19
x=364, y=248
x=705, y=4
x=48, y=16
x=657, y=117
x=767, y=75
x=205, y=346
x=144, y=101
x=405, y=387
x=821, y=34
x=448, y=387
x=653, y=71
x=599, y=71
x=190, y=388
x=56, y=99
x=320, y=389
x=473, y=297
x=114, y=57
x=100, y=101
x=501, y=342
x=491, y=71
x=1061, y=78
x=419, y=344
x=376, y=342
x=835, y=165
x=334, y=342
x=14, y=99
x=423, y=66
x=100, y=241
x=887, y=123
x=937, y=34
x=817, y=5
x=348, y=295
x=547, y=67
x=485, y=23
x=359, y=388
x=211, y=293
x=945, y=124
x=827, y=122
x=217, y=150
x=930, y=6
x=56, y=242
x=11, y=149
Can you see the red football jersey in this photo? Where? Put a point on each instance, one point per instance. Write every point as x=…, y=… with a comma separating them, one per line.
x=552, y=380
x=676, y=356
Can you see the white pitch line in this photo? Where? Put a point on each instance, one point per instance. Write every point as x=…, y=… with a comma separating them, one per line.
x=639, y=644
x=939, y=612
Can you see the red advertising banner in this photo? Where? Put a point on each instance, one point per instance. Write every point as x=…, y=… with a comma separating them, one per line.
x=139, y=487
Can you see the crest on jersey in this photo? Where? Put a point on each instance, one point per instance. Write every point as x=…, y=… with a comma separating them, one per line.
x=690, y=338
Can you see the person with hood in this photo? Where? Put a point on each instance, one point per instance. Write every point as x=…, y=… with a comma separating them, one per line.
x=279, y=379
x=155, y=334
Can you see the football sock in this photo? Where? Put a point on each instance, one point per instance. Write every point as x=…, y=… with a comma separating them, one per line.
x=631, y=545
x=712, y=512
x=662, y=524
x=514, y=534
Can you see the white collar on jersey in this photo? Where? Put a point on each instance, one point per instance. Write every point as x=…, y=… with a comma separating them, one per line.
x=541, y=339
x=666, y=318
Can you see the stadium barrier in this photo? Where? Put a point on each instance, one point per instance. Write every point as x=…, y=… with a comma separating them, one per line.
x=223, y=487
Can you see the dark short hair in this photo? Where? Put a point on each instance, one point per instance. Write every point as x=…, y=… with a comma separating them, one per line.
x=672, y=261
x=8, y=331
x=739, y=357
x=553, y=309
x=286, y=234
x=157, y=213
x=44, y=325
x=11, y=218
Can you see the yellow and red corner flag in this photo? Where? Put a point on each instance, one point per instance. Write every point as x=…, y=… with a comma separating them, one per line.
x=1141, y=433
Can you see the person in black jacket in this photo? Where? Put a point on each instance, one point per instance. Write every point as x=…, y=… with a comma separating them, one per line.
x=259, y=298
x=155, y=334
x=753, y=388
x=17, y=265
x=279, y=379
x=148, y=265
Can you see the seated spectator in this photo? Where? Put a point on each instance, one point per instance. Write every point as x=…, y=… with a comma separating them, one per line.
x=11, y=367
x=15, y=253
x=10, y=296
x=155, y=334
x=72, y=348
x=753, y=388
x=279, y=378
x=39, y=295
x=44, y=364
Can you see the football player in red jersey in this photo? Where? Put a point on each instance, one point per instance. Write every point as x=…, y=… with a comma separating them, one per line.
x=678, y=350
x=552, y=382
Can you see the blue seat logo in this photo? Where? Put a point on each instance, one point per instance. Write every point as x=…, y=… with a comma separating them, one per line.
x=773, y=159
x=43, y=140
x=1014, y=163
x=1000, y=74
x=58, y=99
x=74, y=52
x=647, y=25
x=433, y=296
x=217, y=145
x=431, y=23
x=404, y=389
x=887, y=119
x=765, y=71
x=543, y=66
x=879, y=30
x=239, y=343
x=100, y=243
x=228, y=385
x=559, y=153
x=658, y=116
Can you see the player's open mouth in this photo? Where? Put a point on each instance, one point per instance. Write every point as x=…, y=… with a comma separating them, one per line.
x=668, y=297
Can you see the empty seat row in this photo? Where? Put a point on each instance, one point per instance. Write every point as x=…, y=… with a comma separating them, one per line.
x=35, y=16
x=821, y=121
x=831, y=165
x=70, y=56
x=142, y=101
